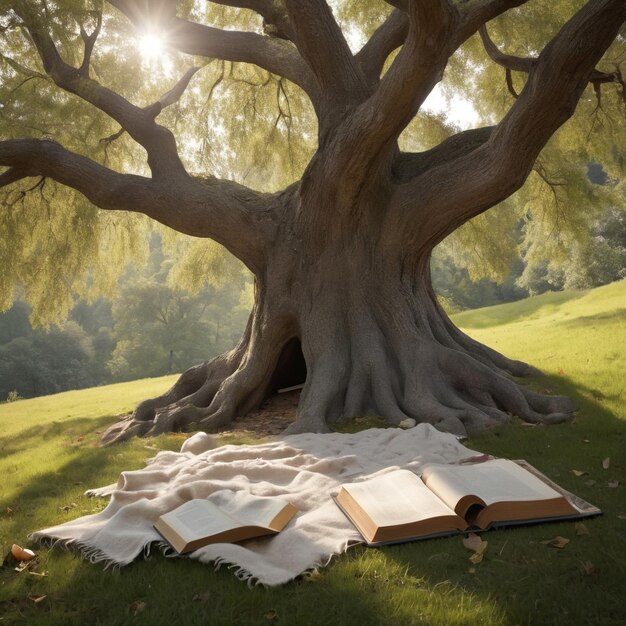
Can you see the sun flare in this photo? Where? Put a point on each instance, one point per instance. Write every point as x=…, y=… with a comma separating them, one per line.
x=151, y=46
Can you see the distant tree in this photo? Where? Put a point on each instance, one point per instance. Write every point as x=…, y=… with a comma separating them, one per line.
x=341, y=251
x=580, y=263
x=45, y=362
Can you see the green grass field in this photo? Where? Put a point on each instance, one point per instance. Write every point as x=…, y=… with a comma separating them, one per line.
x=49, y=456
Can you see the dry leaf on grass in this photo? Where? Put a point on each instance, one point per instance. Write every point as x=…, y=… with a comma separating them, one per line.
x=271, y=615
x=136, y=607
x=613, y=484
x=36, y=599
x=588, y=568
x=22, y=554
x=590, y=482
x=476, y=558
x=606, y=462
x=202, y=597
x=579, y=473
x=557, y=542
x=581, y=529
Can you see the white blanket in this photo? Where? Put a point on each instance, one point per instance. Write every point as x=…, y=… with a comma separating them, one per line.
x=304, y=469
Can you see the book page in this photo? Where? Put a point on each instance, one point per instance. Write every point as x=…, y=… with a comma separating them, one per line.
x=398, y=497
x=199, y=518
x=252, y=510
x=493, y=481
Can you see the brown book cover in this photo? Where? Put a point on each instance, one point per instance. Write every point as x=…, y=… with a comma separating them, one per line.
x=199, y=522
x=449, y=499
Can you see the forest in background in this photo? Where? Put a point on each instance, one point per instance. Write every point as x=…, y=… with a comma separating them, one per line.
x=149, y=328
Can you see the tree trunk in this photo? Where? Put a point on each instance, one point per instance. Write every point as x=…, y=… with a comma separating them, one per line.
x=349, y=313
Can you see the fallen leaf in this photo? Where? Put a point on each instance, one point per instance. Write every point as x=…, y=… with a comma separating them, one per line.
x=590, y=482
x=9, y=511
x=136, y=607
x=613, y=484
x=22, y=554
x=68, y=507
x=621, y=516
x=588, y=568
x=471, y=570
x=202, y=597
x=477, y=557
x=579, y=473
x=586, y=440
x=313, y=576
x=36, y=599
x=271, y=615
x=557, y=542
x=606, y=462
x=581, y=529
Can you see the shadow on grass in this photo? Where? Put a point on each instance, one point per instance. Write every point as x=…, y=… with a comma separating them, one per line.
x=520, y=580
x=617, y=315
x=74, y=429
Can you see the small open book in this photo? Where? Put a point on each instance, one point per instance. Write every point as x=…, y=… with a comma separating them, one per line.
x=197, y=523
x=399, y=506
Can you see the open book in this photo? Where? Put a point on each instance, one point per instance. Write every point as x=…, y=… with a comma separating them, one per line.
x=400, y=506
x=197, y=523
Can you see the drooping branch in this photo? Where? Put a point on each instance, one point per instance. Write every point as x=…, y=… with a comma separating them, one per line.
x=234, y=216
x=140, y=125
x=525, y=64
x=497, y=168
x=322, y=44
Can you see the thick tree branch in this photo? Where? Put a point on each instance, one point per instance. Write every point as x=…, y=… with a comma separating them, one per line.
x=471, y=184
x=274, y=14
x=390, y=35
x=234, y=216
x=479, y=12
x=323, y=46
x=140, y=125
x=407, y=166
x=363, y=147
x=274, y=55
x=11, y=176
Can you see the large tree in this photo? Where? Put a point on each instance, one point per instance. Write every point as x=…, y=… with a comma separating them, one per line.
x=343, y=295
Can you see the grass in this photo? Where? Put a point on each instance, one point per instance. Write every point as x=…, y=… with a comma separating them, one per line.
x=49, y=456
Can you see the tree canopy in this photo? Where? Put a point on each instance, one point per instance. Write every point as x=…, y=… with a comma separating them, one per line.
x=297, y=135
